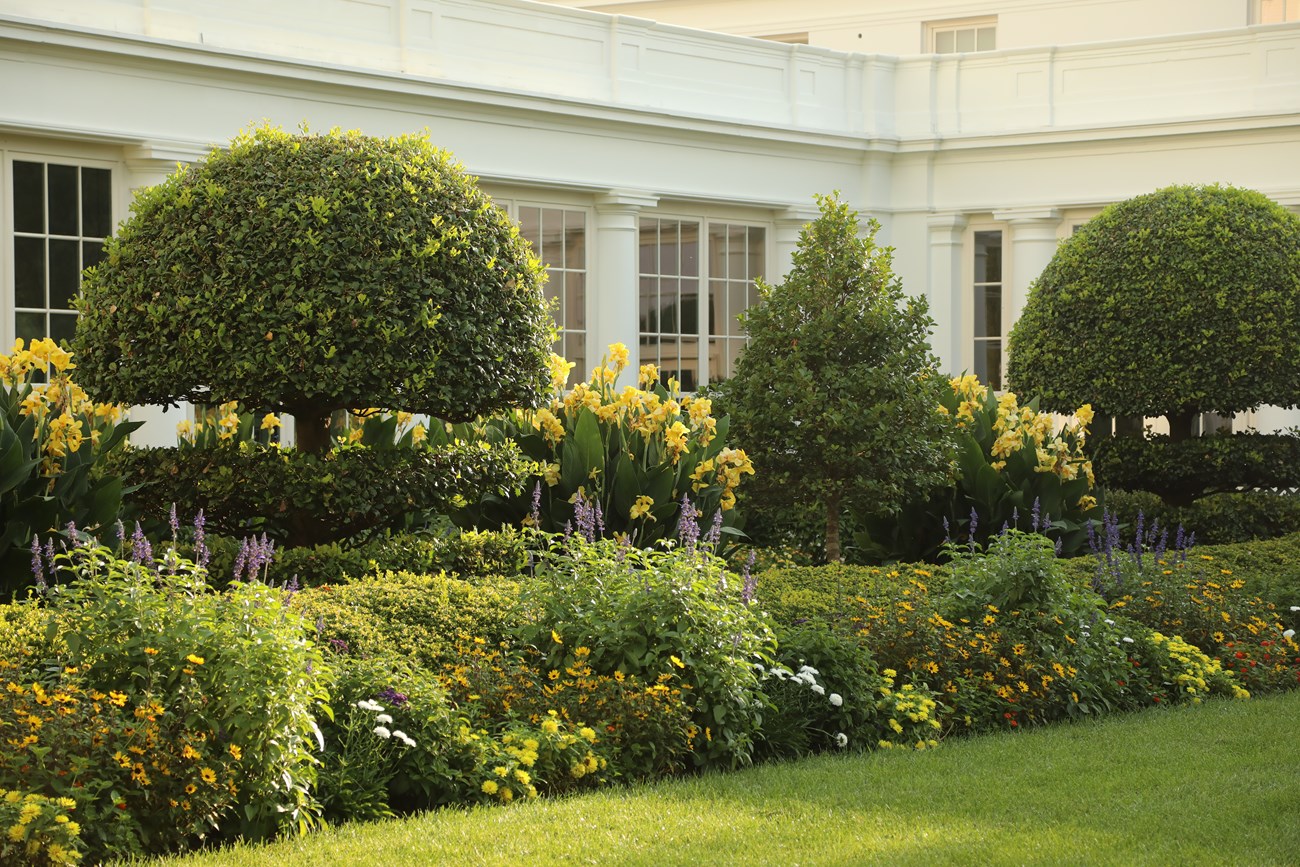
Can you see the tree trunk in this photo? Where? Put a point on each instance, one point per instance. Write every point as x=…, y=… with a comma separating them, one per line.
x=312, y=430
x=1180, y=424
x=833, y=528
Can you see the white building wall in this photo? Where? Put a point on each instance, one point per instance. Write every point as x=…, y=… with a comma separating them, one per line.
x=622, y=117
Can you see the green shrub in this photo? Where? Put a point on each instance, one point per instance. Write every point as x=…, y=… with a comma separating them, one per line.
x=53, y=448
x=231, y=675
x=1217, y=519
x=309, y=273
x=1181, y=301
x=651, y=614
x=633, y=455
x=1181, y=472
x=823, y=691
x=836, y=393
x=40, y=831
x=421, y=617
x=302, y=499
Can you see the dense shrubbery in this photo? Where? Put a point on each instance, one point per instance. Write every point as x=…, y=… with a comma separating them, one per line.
x=1181, y=472
x=633, y=455
x=1218, y=519
x=1015, y=468
x=53, y=445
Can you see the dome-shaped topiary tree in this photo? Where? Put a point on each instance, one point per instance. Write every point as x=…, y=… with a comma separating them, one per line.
x=1182, y=301
x=310, y=273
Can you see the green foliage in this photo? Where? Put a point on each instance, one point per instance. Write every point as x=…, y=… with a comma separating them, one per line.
x=823, y=693
x=233, y=670
x=308, y=273
x=634, y=453
x=419, y=617
x=304, y=499
x=657, y=613
x=39, y=831
x=836, y=392
x=53, y=445
x=1216, y=519
x=1183, y=471
x=1013, y=470
x=1180, y=301
x=1015, y=570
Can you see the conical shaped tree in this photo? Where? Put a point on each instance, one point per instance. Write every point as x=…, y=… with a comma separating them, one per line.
x=836, y=396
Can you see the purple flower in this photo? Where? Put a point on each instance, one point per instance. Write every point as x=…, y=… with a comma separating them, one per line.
x=714, y=536
x=141, y=550
x=38, y=568
x=688, y=531
x=750, y=580
x=393, y=697
x=537, y=506
x=174, y=522
x=201, y=551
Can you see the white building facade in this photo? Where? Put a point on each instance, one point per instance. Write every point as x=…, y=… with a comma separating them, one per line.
x=659, y=169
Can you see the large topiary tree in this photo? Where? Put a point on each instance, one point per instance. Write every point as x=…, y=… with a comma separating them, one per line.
x=311, y=273
x=836, y=395
x=1182, y=301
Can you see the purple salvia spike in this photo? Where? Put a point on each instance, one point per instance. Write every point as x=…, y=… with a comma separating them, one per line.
x=174, y=523
x=600, y=521
x=241, y=559
x=974, y=526
x=38, y=568
x=1060, y=542
x=1034, y=515
x=947, y=533
x=121, y=534
x=201, y=552
x=537, y=506
x=141, y=550
x=49, y=552
x=1006, y=528
x=714, y=537
x=750, y=580
x=1015, y=516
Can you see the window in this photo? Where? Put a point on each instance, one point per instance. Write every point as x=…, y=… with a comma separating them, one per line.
x=559, y=237
x=966, y=35
x=61, y=216
x=672, y=330
x=1275, y=11
x=987, y=298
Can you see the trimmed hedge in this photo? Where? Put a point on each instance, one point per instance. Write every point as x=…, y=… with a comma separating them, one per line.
x=1217, y=519
x=1183, y=471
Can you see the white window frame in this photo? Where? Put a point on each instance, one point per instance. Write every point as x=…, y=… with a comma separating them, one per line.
x=702, y=335
x=969, y=337
x=933, y=30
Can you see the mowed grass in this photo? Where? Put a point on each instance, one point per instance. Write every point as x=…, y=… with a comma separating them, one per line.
x=1212, y=784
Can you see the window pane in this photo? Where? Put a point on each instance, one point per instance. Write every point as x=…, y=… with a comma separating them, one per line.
x=757, y=252
x=553, y=237
x=575, y=300
x=717, y=252
x=690, y=250
x=717, y=306
x=530, y=228
x=988, y=311
x=668, y=254
x=1272, y=11
x=690, y=307
x=575, y=239
x=988, y=257
x=988, y=363
x=29, y=197
x=649, y=242
x=29, y=326
x=737, y=295
x=96, y=203
x=649, y=304
x=92, y=253
x=944, y=42
x=63, y=326
x=689, y=364
x=62, y=200
x=65, y=273
x=575, y=351
x=668, y=306
x=985, y=39
x=29, y=273
x=966, y=40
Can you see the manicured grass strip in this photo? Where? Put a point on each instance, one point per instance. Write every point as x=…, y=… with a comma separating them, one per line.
x=1212, y=784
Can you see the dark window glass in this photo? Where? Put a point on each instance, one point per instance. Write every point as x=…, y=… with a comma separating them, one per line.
x=65, y=272
x=63, y=200
x=96, y=203
x=29, y=272
x=29, y=197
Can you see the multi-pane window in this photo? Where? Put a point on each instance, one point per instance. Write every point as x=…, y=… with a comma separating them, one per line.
x=736, y=258
x=559, y=237
x=670, y=299
x=1276, y=11
x=987, y=297
x=61, y=216
x=954, y=37
x=674, y=335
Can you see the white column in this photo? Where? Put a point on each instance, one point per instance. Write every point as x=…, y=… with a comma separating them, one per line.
x=1033, y=242
x=614, y=295
x=148, y=164
x=789, y=223
x=945, y=291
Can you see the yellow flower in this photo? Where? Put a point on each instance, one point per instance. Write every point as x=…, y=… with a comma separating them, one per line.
x=555, y=636
x=195, y=659
x=677, y=662
x=1084, y=414
x=641, y=508
x=490, y=787
x=270, y=421
x=151, y=651
x=648, y=376
x=209, y=776
x=618, y=354
x=559, y=369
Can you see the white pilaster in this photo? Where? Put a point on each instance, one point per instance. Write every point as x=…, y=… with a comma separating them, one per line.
x=1033, y=243
x=614, y=296
x=944, y=292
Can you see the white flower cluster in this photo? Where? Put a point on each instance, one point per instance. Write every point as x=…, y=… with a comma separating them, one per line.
x=381, y=729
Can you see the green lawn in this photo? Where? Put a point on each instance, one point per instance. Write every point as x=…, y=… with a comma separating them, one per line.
x=1212, y=784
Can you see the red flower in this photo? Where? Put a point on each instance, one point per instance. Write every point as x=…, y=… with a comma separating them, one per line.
x=1240, y=655
x=1155, y=698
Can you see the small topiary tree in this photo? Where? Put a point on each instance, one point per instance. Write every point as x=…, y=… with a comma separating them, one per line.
x=311, y=273
x=836, y=395
x=1182, y=301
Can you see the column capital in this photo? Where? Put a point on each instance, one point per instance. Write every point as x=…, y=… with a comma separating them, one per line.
x=952, y=222
x=1021, y=216
x=160, y=155
x=797, y=214
x=625, y=201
